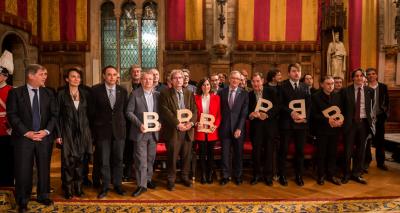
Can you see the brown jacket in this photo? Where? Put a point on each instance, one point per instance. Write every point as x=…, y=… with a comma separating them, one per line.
x=168, y=106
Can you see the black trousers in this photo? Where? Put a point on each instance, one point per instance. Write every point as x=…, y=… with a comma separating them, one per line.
x=263, y=152
x=128, y=158
x=354, y=148
x=326, y=154
x=25, y=153
x=96, y=172
x=6, y=161
x=299, y=138
x=379, y=141
x=73, y=173
x=111, y=161
x=206, y=156
x=237, y=157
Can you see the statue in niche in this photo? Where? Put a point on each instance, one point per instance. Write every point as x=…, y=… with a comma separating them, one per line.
x=336, y=57
x=129, y=22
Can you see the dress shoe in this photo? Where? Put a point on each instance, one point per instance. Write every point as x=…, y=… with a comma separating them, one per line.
x=140, y=190
x=187, y=183
x=254, y=181
x=223, y=181
x=345, y=179
x=68, y=195
x=102, y=194
x=119, y=190
x=23, y=208
x=383, y=167
x=203, y=179
x=151, y=185
x=283, y=180
x=359, y=179
x=299, y=180
x=125, y=179
x=170, y=186
x=79, y=193
x=321, y=181
x=238, y=181
x=46, y=202
x=268, y=181
x=210, y=177
x=334, y=180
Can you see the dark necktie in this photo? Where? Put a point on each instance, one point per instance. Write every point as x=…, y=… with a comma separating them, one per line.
x=231, y=99
x=35, y=111
x=181, y=103
x=358, y=106
x=295, y=86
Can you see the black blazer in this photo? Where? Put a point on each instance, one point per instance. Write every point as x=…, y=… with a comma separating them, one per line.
x=383, y=102
x=235, y=118
x=19, y=111
x=107, y=122
x=349, y=102
x=287, y=94
x=319, y=102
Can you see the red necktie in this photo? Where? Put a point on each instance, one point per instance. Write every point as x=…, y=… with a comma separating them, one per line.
x=358, y=105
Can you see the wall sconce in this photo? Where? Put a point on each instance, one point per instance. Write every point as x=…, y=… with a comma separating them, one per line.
x=221, y=18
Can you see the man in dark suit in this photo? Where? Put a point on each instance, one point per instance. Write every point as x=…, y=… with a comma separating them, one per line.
x=109, y=129
x=32, y=113
x=381, y=113
x=144, y=99
x=327, y=129
x=234, y=109
x=263, y=127
x=179, y=135
x=293, y=124
x=357, y=103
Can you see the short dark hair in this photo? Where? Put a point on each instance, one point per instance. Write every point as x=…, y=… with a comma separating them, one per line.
x=33, y=69
x=103, y=71
x=73, y=69
x=199, y=91
x=324, y=78
x=257, y=74
x=304, y=77
x=371, y=69
x=356, y=70
x=337, y=77
x=272, y=73
x=293, y=65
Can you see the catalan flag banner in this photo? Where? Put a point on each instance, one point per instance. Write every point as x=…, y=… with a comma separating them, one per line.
x=23, y=9
x=361, y=35
x=184, y=20
x=64, y=20
x=278, y=20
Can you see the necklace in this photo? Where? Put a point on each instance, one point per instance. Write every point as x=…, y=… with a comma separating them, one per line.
x=74, y=95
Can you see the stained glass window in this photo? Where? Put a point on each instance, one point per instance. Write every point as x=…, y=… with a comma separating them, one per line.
x=149, y=35
x=108, y=35
x=129, y=41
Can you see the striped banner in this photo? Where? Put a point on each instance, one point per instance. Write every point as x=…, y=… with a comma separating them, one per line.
x=362, y=33
x=278, y=20
x=22, y=9
x=184, y=20
x=70, y=22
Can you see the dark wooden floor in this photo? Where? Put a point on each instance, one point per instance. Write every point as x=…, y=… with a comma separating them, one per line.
x=380, y=183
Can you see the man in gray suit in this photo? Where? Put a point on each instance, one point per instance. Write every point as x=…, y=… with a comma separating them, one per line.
x=144, y=99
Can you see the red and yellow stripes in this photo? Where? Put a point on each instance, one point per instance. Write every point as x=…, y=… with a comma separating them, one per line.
x=278, y=20
x=184, y=20
x=25, y=9
x=64, y=20
x=362, y=33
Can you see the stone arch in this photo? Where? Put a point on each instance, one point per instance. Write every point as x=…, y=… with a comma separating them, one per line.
x=15, y=43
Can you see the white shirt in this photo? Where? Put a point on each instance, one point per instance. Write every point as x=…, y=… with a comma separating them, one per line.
x=148, y=95
x=293, y=82
x=205, y=103
x=363, y=114
x=234, y=91
x=32, y=94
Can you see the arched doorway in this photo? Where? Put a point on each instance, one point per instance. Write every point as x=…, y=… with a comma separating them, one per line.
x=14, y=43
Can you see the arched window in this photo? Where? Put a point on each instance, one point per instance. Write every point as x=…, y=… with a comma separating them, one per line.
x=136, y=39
x=149, y=35
x=108, y=35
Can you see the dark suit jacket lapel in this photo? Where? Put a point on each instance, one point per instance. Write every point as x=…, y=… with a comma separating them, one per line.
x=42, y=102
x=143, y=99
x=105, y=94
x=352, y=97
x=27, y=100
x=367, y=101
x=174, y=98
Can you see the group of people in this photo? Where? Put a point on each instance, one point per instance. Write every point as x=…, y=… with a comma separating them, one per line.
x=116, y=126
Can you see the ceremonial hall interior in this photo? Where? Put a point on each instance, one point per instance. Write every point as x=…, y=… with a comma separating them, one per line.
x=205, y=38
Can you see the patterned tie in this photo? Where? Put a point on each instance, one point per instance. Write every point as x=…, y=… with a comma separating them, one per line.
x=231, y=99
x=357, y=116
x=35, y=111
x=181, y=102
x=111, y=97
